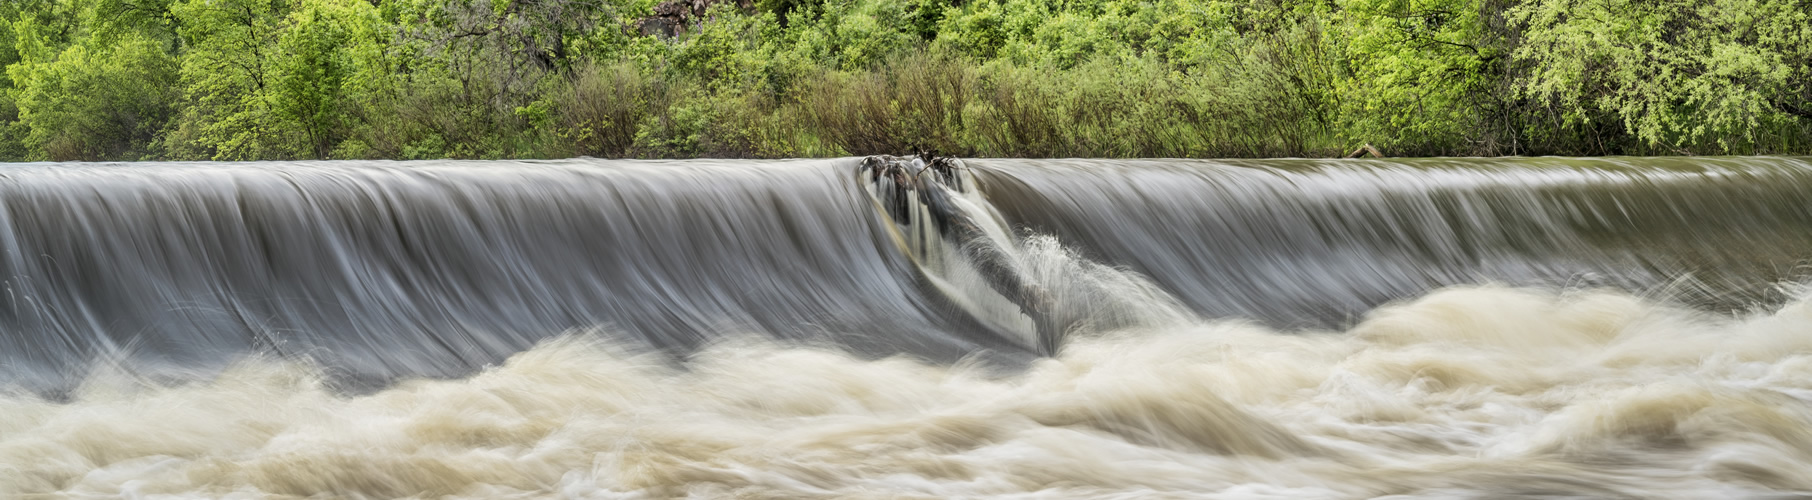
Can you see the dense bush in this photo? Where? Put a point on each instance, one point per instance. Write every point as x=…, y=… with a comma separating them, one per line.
x=281, y=79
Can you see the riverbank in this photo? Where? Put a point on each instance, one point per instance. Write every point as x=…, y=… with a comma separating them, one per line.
x=348, y=79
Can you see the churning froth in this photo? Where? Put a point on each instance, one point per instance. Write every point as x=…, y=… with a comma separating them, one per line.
x=1478, y=391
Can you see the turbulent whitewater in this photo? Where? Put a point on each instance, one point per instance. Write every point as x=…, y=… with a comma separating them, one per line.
x=1442, y=328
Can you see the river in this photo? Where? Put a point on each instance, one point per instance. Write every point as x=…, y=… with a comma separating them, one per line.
x=1430, y=328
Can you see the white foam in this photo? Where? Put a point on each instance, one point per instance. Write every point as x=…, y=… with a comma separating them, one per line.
x=1466, y=391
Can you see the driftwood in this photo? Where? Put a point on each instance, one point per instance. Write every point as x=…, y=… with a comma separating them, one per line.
x=1366, y=149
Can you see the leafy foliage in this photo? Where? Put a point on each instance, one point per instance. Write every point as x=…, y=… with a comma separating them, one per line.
x=1425, y=73
x=1678, y=75
x=275, y=79
x=90, y=103
x=227, y=72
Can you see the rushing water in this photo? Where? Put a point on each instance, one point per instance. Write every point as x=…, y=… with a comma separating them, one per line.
x=600, y=329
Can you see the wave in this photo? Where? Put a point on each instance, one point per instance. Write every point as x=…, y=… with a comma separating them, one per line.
x=1467, y=392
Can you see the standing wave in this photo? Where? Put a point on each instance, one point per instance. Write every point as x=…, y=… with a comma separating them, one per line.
x=1480, y=392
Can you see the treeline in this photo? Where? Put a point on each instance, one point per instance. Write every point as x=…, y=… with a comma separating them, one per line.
x=284, y=79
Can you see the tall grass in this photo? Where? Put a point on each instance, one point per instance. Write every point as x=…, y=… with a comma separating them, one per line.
x=926, y=101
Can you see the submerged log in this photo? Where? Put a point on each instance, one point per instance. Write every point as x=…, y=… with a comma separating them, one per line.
x=1365, y=149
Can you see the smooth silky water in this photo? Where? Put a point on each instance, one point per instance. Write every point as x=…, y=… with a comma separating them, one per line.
x=1440, y=328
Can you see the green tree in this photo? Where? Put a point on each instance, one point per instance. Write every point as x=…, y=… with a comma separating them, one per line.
x=1426, y=75
x=88, y=79
x=96, y=102
x=328, y=51
x=11, y=147
x=227, y=75
x=1685, y=76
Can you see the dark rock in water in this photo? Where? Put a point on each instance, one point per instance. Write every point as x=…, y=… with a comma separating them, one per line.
x=930, y=181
